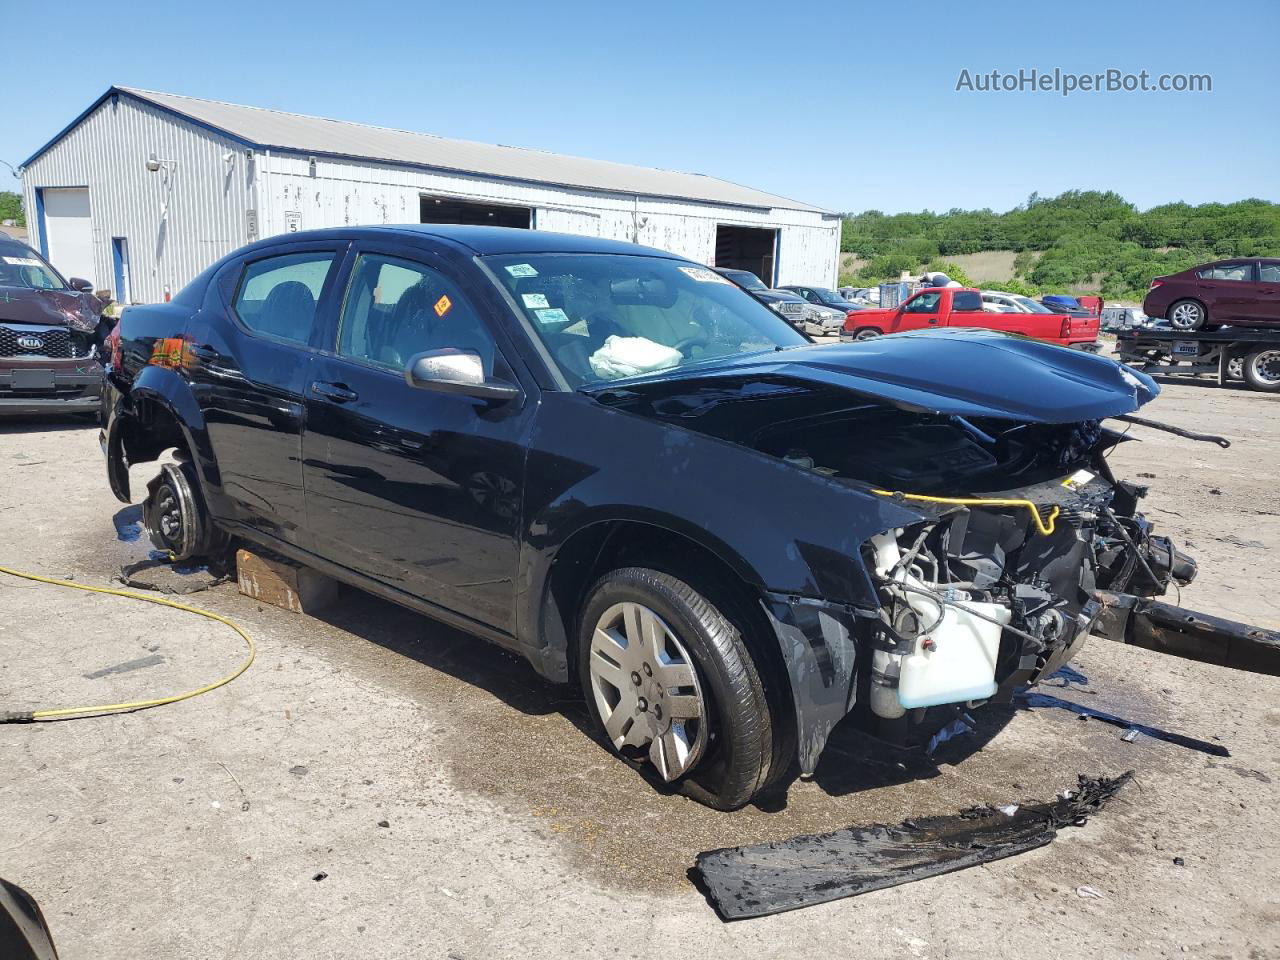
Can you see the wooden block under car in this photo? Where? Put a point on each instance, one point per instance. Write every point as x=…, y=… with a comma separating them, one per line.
x=283, y=583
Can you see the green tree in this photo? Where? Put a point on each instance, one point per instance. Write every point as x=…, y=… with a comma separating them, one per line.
x=11, y=208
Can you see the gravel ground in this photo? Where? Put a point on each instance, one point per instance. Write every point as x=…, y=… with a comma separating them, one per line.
x=378, y=785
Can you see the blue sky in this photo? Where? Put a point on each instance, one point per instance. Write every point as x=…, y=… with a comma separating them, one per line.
x=847, y=105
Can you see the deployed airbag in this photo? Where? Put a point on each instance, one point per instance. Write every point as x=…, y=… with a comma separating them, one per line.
x=632, y=356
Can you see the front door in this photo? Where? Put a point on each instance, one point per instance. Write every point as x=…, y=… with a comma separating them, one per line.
x=920, y=312
x=1269, y=290
x=248, y=369
x=417, y=489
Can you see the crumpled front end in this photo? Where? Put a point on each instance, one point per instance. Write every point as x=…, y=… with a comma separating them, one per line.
x=989, y=592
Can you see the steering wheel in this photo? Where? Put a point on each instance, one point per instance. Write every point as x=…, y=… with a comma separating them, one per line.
x=688, y=343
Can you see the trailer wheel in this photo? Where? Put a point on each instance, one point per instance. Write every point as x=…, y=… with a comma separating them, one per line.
x=1262, y=370
x=1187, y=315
x=1235, y=368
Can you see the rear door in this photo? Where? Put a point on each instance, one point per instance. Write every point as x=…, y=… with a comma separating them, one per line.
x=419, y=490
x=1228, y=290
x=920, y=312
x=248, y=368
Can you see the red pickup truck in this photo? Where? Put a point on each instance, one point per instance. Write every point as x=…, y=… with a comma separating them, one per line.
x=962, y=307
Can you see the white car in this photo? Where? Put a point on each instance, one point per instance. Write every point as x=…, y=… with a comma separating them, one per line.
x=997, y=301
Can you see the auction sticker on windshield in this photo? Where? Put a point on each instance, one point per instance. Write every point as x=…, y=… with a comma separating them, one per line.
x=522, y=270
x=22, y=261
x=554, y=315
x=535, y=301
x=704, y=276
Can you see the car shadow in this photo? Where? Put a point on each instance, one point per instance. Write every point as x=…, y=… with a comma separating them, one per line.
x=47, y=424
x=852, y=762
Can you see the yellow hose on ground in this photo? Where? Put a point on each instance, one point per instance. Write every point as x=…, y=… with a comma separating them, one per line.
x=19, y=716
x=1046, y=527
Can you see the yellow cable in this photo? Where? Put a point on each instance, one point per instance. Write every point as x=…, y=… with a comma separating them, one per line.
x=1044, y=526
x=137, y=704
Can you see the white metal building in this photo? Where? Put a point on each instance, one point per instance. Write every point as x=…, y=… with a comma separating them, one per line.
x=143, y=190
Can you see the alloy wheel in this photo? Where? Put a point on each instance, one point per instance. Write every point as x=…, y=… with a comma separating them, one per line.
x=646, y=689
x=1186, y=316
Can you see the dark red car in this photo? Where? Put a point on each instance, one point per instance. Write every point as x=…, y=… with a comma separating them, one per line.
x=1243, y=291
x=51, y=335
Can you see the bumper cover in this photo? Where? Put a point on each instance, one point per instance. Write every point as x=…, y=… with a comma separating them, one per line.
x=76, y=391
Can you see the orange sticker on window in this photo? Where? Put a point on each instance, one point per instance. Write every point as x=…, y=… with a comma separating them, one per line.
x=443, y=305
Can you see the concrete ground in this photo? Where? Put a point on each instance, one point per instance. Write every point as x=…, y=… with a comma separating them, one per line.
x=379, y=786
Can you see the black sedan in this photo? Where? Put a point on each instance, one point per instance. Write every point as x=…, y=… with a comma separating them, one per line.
x=616, y=463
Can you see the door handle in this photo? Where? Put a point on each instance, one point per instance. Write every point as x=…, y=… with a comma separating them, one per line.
x=336, y=392
x=933, y=319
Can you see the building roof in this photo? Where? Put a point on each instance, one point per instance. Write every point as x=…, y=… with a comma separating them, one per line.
x=316, y=136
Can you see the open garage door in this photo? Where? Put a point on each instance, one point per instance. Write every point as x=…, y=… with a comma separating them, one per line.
x=747, y=248
x=68, y=233
x=449, y=210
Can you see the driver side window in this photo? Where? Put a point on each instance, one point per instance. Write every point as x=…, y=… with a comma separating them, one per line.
x=395, y=309
x=924, y=303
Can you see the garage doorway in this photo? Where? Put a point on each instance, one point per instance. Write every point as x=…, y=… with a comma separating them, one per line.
x=747, y=248
x=66, y=233
x=449, y=210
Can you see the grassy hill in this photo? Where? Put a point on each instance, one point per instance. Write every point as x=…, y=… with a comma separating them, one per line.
x=1080, y=241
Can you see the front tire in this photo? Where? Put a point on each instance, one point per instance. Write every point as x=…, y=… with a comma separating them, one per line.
x=867, y=333
x=1187, y=315
x=672, y=688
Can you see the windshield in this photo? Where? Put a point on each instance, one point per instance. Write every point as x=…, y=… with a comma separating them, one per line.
x=604, y=317
x=1031, y=306
x=744, y=278
x=28, y=272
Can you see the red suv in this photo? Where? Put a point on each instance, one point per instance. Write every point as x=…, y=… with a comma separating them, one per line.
x=1239, y=291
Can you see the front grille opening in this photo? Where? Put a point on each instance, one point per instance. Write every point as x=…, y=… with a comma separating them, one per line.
x=51, y=343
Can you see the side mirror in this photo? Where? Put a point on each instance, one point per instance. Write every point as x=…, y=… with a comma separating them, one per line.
x=79, y=285
x=459, y=372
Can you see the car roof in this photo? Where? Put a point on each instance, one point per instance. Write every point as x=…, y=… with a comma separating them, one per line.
x=483, y=241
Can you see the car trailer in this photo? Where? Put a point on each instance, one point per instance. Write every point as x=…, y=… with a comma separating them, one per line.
x=1229, y=353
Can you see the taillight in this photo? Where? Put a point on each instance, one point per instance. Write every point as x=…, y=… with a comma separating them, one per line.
x=117, y=354
x=1156, y=282
x=1066, y=327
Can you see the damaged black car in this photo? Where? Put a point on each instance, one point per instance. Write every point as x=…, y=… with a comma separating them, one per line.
x=615, y=463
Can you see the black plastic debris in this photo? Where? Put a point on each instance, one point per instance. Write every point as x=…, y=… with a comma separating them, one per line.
x=764, y=879
x=1030, y=699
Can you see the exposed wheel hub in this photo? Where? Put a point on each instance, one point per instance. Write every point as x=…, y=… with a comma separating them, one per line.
x=1266, y=366
x=646, y=688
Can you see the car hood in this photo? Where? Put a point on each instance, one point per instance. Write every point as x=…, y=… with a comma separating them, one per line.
x=54, y=308
x=957, y=372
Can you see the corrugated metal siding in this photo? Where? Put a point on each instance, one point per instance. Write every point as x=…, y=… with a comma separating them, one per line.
x=206, y=199
x=356, y=192
x=296, y=133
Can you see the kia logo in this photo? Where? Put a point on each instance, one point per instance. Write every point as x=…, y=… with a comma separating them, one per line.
x=30, y=343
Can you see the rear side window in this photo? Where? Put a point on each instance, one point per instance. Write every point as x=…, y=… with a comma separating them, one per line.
x=278, y=296
x=967, y=300
x=1269, y=272
x=1241, y=272
x=395, y=309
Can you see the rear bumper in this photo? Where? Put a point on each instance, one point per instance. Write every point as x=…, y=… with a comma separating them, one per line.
x=72, y=392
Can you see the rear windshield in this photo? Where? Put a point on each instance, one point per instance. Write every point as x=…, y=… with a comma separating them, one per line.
x=22, y=268
x=967, y=300
x=744, y=278
x=1031, y=306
